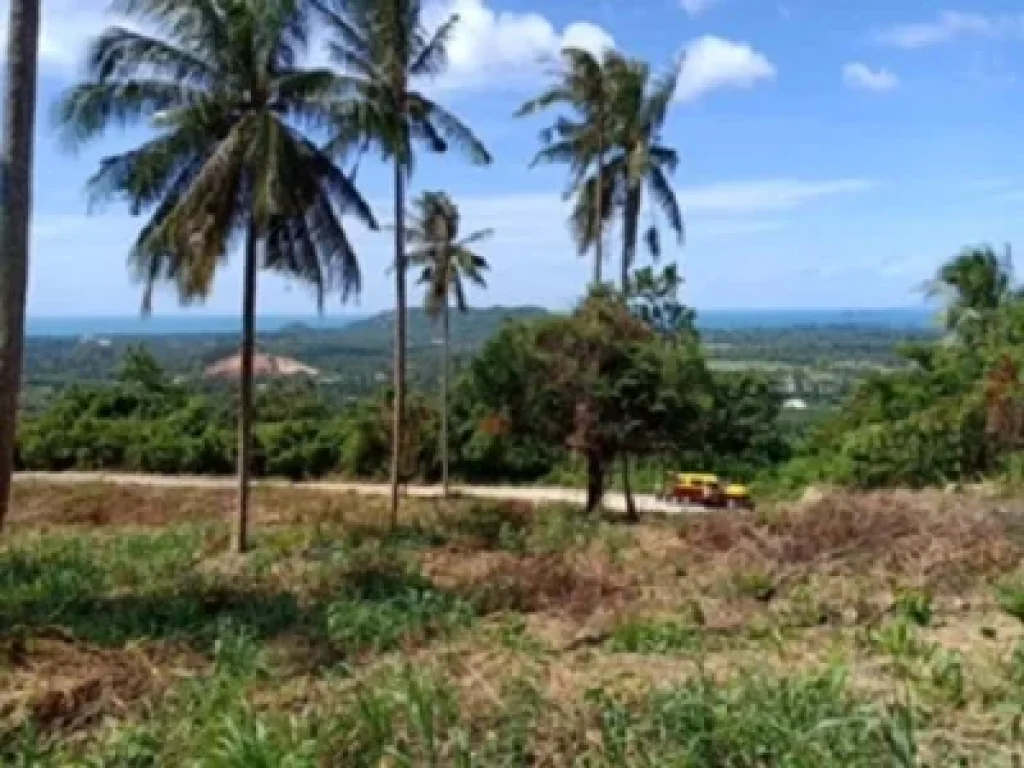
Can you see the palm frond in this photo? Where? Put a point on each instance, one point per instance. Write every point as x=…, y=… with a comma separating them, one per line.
x=433, y=58
x=123, y=54
x=448, y=126
x=662, y=95
x=557, y=152
x=145, y=176
x=664, y=157
x=89, y=109
x=665, y=198
x=475, y=237
x=350, y=32
x=460, y=295
x=558, y=94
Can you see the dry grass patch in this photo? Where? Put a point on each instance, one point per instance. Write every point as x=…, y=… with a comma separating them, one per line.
x=66, y=686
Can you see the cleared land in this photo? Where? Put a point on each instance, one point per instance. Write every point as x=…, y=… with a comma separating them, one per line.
x=861, y=630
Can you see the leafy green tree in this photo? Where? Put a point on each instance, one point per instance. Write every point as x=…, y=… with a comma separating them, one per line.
x=16, y=155
x=446, y=259
x=583, y=86
x=382, y=48
x=219, y=84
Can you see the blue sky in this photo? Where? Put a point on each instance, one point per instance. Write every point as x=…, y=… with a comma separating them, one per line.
x=833, y=153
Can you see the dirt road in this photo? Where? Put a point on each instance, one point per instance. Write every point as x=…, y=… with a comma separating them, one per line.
x=534, y=494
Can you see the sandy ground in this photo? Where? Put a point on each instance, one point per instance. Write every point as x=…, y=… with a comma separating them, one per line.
x=535, y=494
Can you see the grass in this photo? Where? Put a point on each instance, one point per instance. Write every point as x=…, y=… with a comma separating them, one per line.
x=863, y=630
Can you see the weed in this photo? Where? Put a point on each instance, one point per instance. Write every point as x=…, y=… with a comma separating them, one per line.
x=1011, y=600
x=383, y=609
x=947, y=677
x=513, y=634
x=804, y=609
x=494, y=525
x=899, y=640
x=916, y=606
x=753, y=583
x=656, y=637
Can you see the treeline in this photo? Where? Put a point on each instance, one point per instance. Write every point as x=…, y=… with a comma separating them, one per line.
x=954, y=413
x=612, y=382
x=819, y=363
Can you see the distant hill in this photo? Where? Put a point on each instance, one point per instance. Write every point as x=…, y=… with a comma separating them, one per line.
x=469, y=331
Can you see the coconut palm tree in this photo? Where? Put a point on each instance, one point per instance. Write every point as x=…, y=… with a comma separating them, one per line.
x=382, y=49
x=219, y=85
x=973, y=284
x=15, y=216
x=447, y=260
x=638, y=159
x=581, y=141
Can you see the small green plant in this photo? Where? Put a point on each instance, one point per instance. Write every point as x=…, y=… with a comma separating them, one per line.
x=804, y=609
x=655, y=637
x=948, y=678
x=560, y=529
x=916, y=606
x=757, y=584
x=513, y=634
x=1011, y=600
x=900, y=641
x=244, y=739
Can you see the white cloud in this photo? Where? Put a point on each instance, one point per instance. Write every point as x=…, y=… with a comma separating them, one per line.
x=697, y=7
x=489, y=47
x=65, y=29
x=859, y=75
x=948, y=26
x=713, y=63
x=505, y=47
x=746, y=197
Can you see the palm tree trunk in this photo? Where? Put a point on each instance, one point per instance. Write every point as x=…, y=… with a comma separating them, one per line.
x=15, y=217
x=241, y=533
x=595, y=481
x=445, y=373
x=627, y=490
x=398, y=425
x=631, y=225
x=599, y=214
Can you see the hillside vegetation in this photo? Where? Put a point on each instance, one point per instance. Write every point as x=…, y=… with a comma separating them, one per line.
x=859, y=630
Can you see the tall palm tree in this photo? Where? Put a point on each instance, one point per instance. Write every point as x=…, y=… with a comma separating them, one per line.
x=382, y=48
x=581, y=141
x=220, y=86
x=638, y=159
x=19, y=107
x=974, y=283
x=447, y=260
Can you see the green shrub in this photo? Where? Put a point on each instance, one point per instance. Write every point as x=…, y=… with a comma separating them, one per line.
x=384, y=607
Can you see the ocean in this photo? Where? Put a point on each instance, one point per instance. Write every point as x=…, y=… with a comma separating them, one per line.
x=913, y=318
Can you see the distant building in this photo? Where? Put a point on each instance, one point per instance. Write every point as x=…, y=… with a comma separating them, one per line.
x=263, y=365
x=795, y=404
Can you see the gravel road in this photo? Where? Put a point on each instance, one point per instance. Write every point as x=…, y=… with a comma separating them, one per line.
x=535, y=494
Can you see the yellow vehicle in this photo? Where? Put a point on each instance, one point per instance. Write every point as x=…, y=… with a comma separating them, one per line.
x=706, y=490
x=738, y=496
